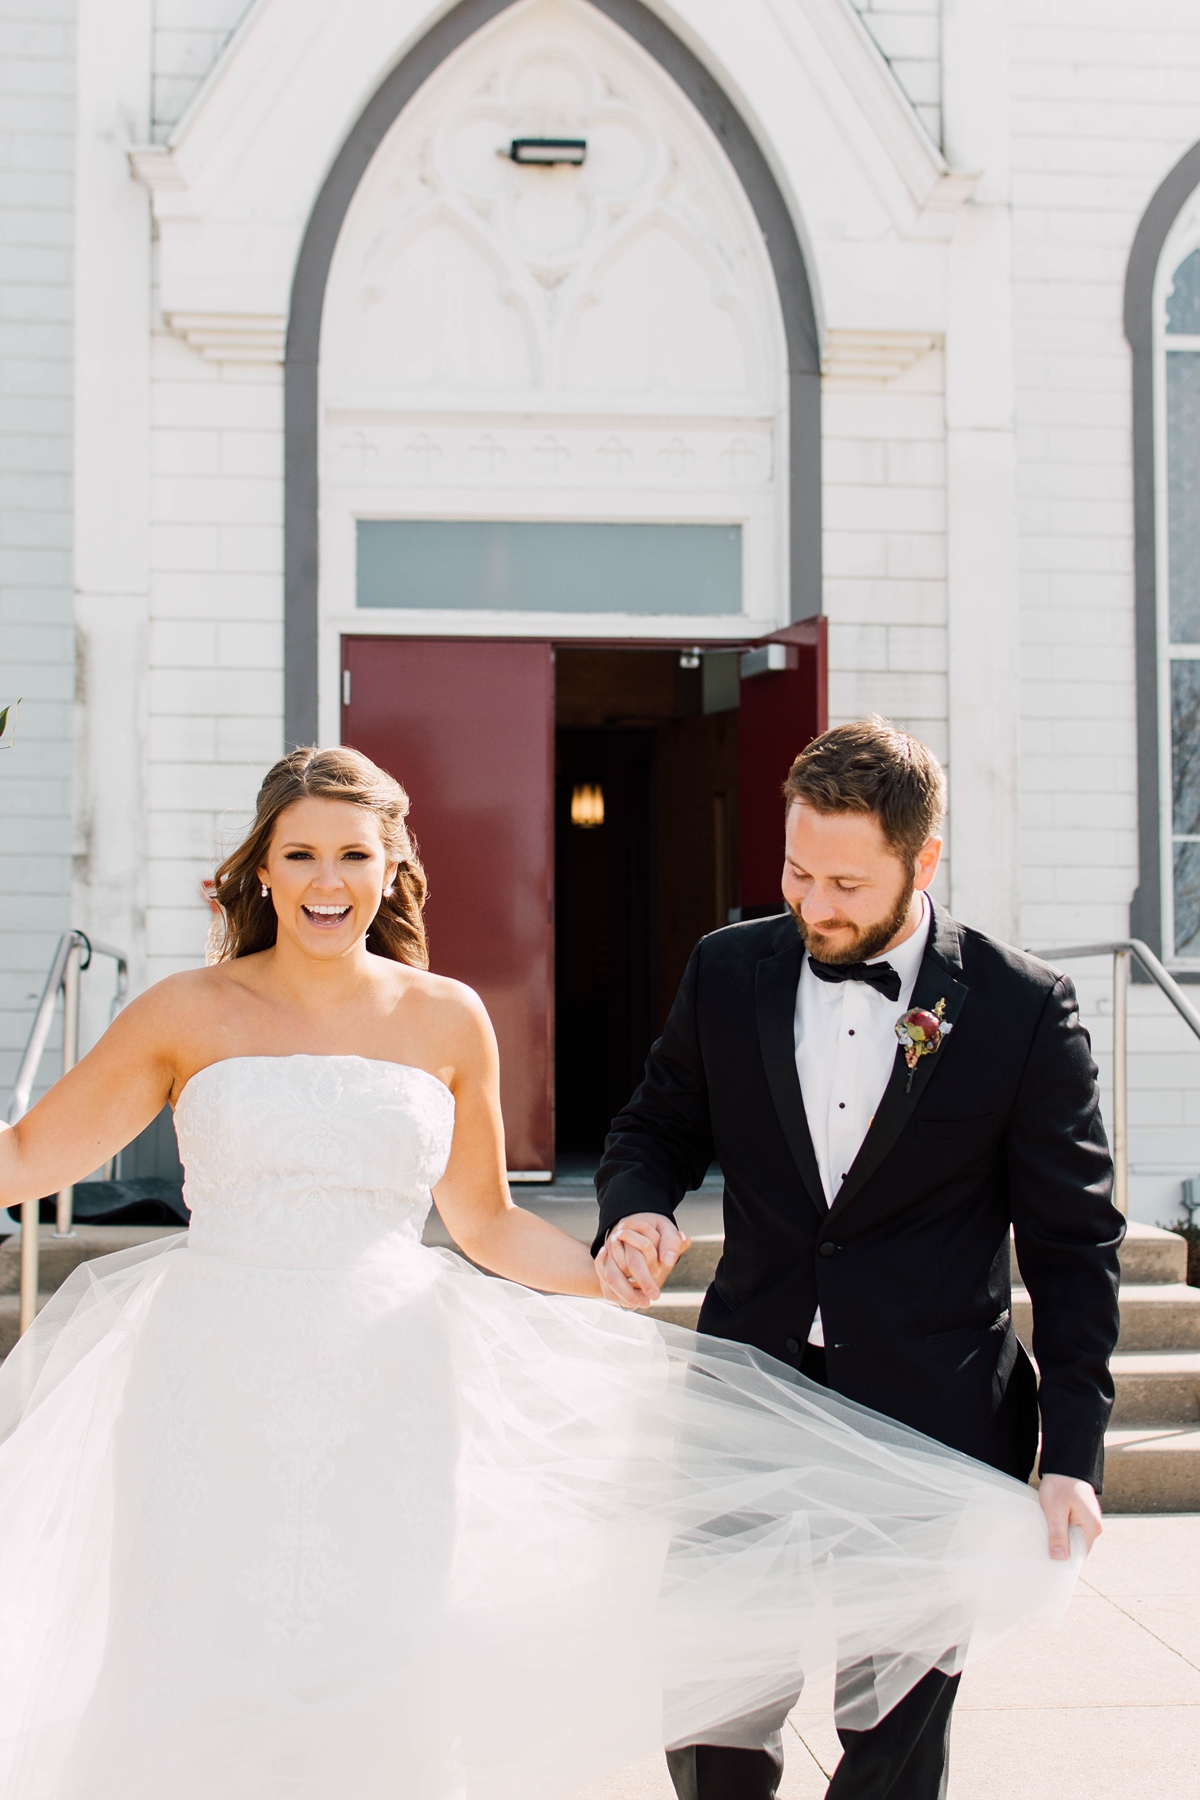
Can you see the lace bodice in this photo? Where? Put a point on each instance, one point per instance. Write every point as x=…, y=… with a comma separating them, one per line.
x=310, y=1161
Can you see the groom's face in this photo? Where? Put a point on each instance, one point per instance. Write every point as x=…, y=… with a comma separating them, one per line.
x=849, y=892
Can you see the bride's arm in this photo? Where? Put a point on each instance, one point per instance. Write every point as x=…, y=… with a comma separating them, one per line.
x=472, y=1196
x=111, y=1094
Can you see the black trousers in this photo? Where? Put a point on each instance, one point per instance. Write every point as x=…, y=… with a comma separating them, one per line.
x=904, y=1757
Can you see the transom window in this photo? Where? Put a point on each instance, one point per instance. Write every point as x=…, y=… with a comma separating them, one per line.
x=510, y=565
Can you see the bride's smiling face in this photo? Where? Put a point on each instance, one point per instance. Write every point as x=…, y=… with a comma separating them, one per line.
x=326, y=869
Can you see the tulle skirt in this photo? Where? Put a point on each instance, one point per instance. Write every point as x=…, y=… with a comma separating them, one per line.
x=408, y=1530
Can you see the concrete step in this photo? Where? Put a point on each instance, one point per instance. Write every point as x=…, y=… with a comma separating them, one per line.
x=60, y=1257
x=1158, y=1385
x=1149, y=1257
x=678, y=1306
x=1152, y=1468
x=10, y=1319
x=698, y=1264
x=1149, y=1321
x=1153, y=1317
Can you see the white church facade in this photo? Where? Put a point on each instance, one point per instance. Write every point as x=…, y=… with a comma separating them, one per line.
x=574, y=397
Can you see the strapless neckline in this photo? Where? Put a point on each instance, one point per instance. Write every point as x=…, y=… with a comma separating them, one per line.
x=312, y=1162
x=378, y=1062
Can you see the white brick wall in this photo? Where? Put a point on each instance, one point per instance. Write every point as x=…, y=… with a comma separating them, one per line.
x=909, y=34
x=885, y=549
x=36, y=639
x=1105, y=99
x=188, y=37
x=216, y=638
x=884, y=497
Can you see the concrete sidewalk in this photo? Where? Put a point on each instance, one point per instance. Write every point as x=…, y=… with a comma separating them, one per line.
x=1108, y=1708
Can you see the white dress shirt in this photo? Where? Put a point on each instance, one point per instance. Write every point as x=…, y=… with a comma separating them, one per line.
x=845, y=1049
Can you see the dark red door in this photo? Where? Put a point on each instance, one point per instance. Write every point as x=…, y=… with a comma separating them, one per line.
x=782, y=706
x=468, y=728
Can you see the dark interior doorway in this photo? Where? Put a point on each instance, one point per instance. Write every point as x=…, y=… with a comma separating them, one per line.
x=646, y=861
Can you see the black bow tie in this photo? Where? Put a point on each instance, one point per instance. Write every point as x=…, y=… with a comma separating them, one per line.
x=881, y=976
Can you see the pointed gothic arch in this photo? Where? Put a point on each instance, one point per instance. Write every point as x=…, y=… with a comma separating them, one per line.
x=301, y=373
x=1141, y=288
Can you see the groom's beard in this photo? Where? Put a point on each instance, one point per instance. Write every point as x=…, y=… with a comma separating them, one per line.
x=867, y=941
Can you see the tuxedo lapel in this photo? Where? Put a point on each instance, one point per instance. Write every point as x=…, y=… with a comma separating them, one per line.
x=939, y=978
x=776, y=981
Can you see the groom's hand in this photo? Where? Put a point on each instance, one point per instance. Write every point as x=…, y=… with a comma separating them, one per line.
x=1068, y=1502
x=638, y=1256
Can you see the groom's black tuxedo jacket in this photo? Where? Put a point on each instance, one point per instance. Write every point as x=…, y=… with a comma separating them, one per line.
x=910, y=1265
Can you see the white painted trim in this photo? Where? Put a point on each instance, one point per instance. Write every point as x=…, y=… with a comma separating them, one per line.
x=869, y=358
x=559, y=628
x=154, y=166
x=953, y=190
x=232, y=337
x=113, y=285
x=867, y=75
x=982, y=538
x=1183, y=237
x=235, y=183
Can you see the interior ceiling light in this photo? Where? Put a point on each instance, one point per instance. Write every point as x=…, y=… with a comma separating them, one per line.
x=547, y=151
x=587, y=805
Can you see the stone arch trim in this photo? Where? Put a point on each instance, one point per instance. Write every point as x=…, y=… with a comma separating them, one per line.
x=301, y=362
x=1145, y=916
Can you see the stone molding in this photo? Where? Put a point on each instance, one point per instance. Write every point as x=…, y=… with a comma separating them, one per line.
x=870, y=357
x=155, y=167
x=232, y=337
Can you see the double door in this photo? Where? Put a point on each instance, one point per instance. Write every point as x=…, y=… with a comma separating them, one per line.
x=468, y=727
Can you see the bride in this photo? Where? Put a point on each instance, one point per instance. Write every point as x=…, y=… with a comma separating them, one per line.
x=291, y=1506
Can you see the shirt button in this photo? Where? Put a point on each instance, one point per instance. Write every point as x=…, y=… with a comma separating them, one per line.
x=792, y=1346
x=841, y=1106
x=851, y=1034
x=828, y=1249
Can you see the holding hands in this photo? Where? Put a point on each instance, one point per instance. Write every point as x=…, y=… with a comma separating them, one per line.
x=637, y=1257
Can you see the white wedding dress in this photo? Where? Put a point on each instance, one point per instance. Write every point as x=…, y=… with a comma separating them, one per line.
x=292, y=1507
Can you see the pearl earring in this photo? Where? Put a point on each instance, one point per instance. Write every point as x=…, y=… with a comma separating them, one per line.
x=266, y=890
x=388, y=892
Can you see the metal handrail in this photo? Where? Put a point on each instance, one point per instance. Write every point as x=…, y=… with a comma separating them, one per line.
x=72, y=956
x=1121, y=951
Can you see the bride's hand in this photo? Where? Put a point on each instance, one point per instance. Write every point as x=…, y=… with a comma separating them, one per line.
x=638, y=1256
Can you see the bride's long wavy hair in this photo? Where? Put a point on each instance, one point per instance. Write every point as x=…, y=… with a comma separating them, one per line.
x=248, y=915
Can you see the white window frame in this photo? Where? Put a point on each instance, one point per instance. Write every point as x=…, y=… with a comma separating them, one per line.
x=1184, y=237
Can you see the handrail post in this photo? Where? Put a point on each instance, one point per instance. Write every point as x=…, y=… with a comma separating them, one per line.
x=1120, y=1090
x=73, y=954
x=29, y=1263
x=65, y=1206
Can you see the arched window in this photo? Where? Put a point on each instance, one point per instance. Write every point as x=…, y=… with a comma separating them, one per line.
x=1177, y=529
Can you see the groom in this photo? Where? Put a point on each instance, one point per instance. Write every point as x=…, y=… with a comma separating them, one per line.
x=871, y=1179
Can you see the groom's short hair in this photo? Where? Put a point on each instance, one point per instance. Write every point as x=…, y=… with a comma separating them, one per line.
x=871, y=766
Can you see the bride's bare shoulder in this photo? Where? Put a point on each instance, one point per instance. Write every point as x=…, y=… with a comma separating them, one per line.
x=448, y=1009
x=187, y=997
x=421, y=988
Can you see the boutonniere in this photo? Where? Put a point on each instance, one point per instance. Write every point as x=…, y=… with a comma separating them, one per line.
x=921, y=1033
